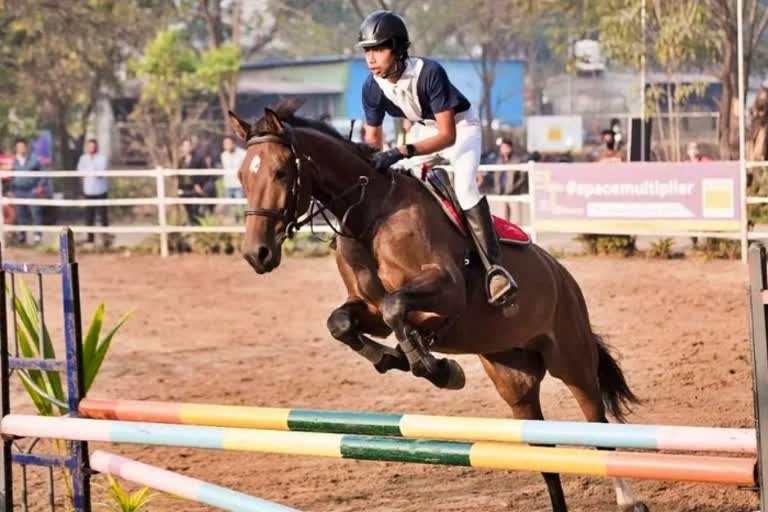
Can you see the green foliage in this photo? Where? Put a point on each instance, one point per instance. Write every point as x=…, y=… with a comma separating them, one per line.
x=622, y=245
x=306, y=245
x=168, y=70
x=124, y=501
x=58, y=58
x=212, y=243
x=758, y=213
x=662, y=248
x=720, y=249
x=219, y=65
x=41, y=383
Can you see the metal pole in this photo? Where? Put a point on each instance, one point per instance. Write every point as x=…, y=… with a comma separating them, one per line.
x=642, y=84
x=742, y=146
x=6, y=493
x=73, y=333
x=757, y=324
x=532, y=200
x=162, y=215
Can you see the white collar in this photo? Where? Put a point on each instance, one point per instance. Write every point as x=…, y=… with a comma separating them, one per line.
x=409, y=74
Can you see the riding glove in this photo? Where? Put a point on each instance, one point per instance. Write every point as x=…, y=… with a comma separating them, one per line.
x=383, y=160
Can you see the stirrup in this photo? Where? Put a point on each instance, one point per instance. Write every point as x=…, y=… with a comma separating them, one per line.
x=508, y=295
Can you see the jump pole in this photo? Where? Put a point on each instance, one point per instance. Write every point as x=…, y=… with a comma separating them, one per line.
x=454, y=428
x=489, y=455
x=180, y=485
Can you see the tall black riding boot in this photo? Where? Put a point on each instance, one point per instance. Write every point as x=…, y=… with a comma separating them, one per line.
x=500, y=286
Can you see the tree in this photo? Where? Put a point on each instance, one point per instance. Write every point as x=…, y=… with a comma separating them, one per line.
x=172, y=99
x=676, y=39
x=706, y=29
x=66, y=56
x=724, y=21
x=495, y=30
x=330, y=27
x=230, y=31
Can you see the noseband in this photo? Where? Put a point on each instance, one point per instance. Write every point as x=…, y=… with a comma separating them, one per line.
x=289, y=214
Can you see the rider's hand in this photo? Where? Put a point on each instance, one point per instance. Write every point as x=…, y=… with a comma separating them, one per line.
x=385, y=159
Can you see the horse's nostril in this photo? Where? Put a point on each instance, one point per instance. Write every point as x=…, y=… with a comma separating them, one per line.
x=263, y=254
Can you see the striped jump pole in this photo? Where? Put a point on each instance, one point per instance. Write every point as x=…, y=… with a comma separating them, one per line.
x=649, y=437
x=180, y=485
x=490, y=455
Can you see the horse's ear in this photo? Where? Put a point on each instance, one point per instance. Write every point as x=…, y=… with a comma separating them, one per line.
x=273, y=121
x=241, y=128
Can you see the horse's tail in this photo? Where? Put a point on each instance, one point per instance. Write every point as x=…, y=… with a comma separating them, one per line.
x=617, y=396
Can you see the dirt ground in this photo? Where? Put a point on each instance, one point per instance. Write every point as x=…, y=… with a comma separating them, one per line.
x=208, y=329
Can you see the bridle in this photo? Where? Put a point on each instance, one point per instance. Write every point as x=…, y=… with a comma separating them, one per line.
x=289, y=215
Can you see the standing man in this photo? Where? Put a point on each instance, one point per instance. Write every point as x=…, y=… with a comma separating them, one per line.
x=28, y=188
x=231, y=159
x=94, y=187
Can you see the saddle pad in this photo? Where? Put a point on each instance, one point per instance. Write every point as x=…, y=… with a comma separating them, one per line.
x=508, y=232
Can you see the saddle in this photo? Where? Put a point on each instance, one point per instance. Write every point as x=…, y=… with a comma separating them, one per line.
x=437, y=182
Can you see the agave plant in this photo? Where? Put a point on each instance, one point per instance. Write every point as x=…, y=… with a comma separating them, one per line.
x=45, y=387
x=124, y=501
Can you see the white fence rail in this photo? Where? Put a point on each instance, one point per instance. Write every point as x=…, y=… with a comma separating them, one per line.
x=162, y=201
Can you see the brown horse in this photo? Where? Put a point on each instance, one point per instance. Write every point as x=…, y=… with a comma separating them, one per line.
x=404, y=267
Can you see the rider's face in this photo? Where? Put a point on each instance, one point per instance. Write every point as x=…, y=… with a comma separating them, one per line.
x=379, y=59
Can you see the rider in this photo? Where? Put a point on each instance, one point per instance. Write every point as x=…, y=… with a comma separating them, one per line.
x=419, y=90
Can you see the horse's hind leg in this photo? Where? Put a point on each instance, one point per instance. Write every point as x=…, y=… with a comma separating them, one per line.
x=350, y=321
x=517, y=375
x=587, y=392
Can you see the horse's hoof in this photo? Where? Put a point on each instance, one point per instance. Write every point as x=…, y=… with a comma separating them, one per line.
x=451, y=375
x=635, y=507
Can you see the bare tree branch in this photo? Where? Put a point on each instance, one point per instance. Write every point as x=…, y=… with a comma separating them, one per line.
x=263, y=40
x=758, y=32
x=403, y=8
x=237, y=23
x=356, y=6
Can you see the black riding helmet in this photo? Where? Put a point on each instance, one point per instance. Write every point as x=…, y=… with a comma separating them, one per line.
x=384, y=27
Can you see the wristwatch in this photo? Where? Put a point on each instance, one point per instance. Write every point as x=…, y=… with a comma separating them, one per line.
x=410, y=150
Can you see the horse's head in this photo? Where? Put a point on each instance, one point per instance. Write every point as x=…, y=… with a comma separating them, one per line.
x=271, y=178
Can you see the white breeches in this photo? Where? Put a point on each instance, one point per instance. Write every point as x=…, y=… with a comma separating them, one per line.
x=464, y=156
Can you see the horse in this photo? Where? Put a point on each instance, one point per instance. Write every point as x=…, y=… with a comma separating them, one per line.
x=406, y=271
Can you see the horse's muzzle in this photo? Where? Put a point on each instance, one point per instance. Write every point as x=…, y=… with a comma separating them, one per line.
x=262, y=258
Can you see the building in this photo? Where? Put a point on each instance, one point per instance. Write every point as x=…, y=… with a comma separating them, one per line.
x=333, y=86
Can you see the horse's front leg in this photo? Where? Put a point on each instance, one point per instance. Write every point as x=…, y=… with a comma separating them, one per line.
x=351, y=320
x=433, y=291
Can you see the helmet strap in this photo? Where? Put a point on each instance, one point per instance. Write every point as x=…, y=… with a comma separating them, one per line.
x=395, y=69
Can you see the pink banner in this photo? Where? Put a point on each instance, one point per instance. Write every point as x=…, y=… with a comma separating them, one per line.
x=638, y=197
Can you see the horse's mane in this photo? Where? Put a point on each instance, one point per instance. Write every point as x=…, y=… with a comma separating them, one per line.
x=286, y=111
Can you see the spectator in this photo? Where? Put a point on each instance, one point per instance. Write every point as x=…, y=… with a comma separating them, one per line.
x=231, y=159
x=618, y=137
x=28, y=188
x=94, y=187
x=694, y=153
x=192, y=186
x=609, y=152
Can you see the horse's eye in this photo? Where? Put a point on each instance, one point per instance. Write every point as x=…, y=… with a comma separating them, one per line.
x=280, y=174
